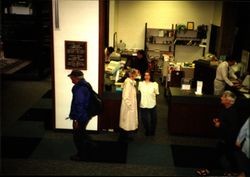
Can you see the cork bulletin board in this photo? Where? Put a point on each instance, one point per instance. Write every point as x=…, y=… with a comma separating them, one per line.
x=76, y=55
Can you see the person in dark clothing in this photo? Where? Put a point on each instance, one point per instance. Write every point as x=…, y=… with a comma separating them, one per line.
x=140, y=63
x=79, y=115
x=228, y=124
x=108, y=52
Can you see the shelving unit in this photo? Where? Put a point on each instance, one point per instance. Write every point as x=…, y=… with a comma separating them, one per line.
x=187, y=38
x=186, y=44
x=183, y=45
x=158, y=41
x=27, y=34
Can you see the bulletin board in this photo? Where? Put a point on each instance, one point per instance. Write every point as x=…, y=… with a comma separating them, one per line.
x=76, y=55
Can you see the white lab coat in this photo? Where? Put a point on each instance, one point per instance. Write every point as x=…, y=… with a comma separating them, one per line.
x=128, y=112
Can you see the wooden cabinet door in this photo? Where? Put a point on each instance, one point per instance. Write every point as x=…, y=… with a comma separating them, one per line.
x=109, y=119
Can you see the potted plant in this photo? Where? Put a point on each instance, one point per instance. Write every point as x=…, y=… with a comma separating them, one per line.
x=181, y=27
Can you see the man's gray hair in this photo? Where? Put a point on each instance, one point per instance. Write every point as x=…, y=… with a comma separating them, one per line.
x=80, y=77
x=230, y=95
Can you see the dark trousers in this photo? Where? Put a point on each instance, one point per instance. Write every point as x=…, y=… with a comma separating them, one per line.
x=81, y=140
x=226, y=156
x=243, y=162
x=149, y=120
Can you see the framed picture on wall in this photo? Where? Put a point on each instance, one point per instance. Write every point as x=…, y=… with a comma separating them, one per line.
x=76, y=55
x=190, y=25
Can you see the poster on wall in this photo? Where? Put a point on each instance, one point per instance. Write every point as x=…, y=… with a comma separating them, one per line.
x=76, y=55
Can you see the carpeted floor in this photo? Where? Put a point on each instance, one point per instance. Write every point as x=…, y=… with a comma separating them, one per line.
x=48, y=94
x=194, y=156
x=39, y=114
x=23, y=147
x=150, y=154
x=18, y=147
x=108, y=152
x=48, y=152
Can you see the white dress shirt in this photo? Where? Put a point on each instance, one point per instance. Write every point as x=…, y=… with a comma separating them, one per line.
x=148, y=90
x=244, y=134
x=223, y=72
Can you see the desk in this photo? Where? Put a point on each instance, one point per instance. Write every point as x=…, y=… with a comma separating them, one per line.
x=191, y=115
x=109, y=119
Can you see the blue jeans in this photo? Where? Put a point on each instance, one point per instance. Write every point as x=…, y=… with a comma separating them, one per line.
x=149, y=120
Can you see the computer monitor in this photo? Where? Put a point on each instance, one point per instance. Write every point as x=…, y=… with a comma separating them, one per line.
x=246, y=82
x=245, y=55
x=115, y=57
x=112, y=67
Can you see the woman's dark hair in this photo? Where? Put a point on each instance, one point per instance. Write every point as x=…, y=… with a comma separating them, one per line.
x=110, y=50
x=151, y=76
x=142, y=52
x=229, y=58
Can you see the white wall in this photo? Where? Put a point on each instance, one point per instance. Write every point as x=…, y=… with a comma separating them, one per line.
x=79, y=21
x=187, y=53
x=217, y=13
x=132, y=16
x=113, y=9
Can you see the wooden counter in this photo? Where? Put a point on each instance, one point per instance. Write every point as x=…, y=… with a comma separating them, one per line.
x=190, y=114
x=109, y=119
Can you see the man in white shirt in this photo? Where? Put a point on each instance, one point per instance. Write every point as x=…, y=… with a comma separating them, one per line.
x=223, y=76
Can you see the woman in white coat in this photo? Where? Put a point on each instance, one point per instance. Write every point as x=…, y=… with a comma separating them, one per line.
x=128, y=112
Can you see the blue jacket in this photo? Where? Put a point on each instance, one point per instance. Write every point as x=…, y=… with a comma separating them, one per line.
x=80, y=100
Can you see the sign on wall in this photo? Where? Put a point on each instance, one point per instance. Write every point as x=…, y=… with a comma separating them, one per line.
x=76, y=55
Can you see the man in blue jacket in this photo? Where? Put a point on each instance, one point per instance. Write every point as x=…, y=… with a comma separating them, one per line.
x=79, y=115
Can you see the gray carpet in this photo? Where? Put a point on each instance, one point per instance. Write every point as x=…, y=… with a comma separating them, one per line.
x=146, y=156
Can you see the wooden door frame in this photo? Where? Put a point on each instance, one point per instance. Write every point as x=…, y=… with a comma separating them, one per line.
x=103, y=42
